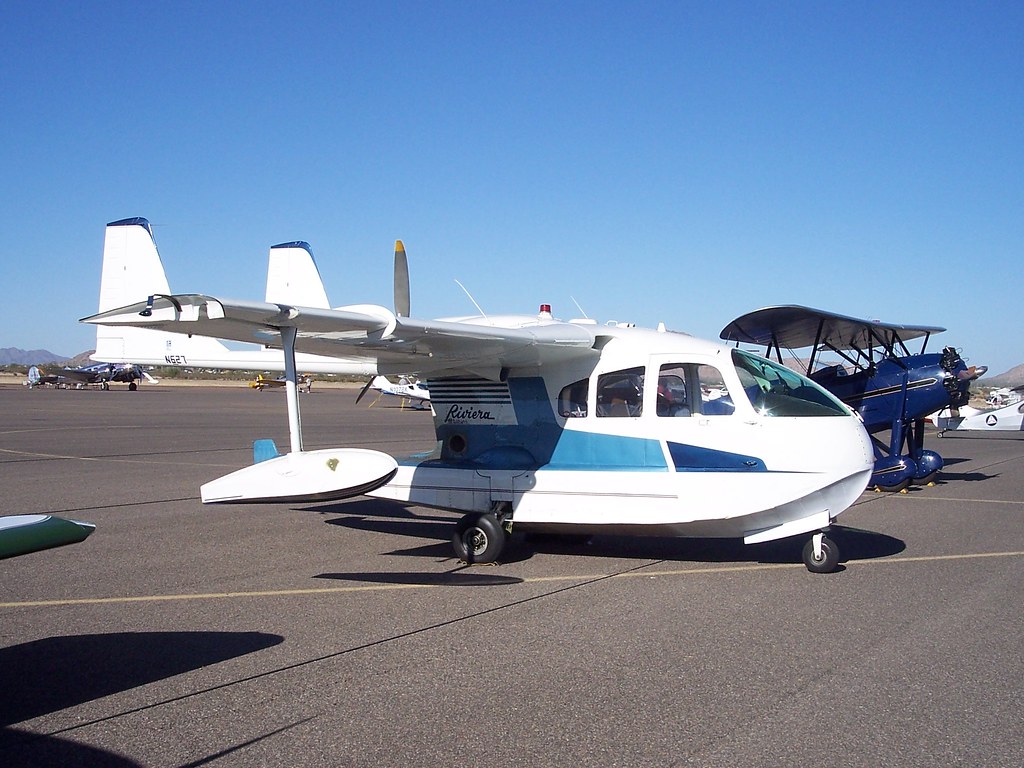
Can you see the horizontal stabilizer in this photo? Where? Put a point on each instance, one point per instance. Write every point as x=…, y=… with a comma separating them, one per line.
x=323, y=475
x=22, y=534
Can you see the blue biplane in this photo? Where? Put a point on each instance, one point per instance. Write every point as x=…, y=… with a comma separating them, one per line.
x=875, y=374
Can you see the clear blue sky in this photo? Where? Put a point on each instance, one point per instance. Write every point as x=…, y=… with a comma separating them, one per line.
x=684, y=162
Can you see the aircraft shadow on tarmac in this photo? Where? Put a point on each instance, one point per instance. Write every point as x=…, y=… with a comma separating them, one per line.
x=854, y=544
x=945, y=476
x=970, y=477
x=23, y=748
x=381, y=516
x=464, y=576
x=55, y=673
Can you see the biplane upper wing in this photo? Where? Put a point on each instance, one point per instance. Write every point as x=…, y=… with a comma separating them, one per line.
x=796, y=327
x=362, y=332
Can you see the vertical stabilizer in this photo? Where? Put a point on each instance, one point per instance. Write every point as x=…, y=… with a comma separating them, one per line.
x=132, y=271
x=293, y=278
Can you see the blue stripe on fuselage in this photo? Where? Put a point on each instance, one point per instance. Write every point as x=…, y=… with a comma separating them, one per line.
x=693, y=458
x=580, y=450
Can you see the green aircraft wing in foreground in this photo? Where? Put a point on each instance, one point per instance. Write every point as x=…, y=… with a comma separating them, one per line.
x=22, y=534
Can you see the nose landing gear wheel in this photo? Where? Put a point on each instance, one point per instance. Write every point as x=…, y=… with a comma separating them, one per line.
x=821, y=555
x=478, y=538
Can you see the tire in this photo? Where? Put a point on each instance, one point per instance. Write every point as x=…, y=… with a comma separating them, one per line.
x=829, y=560
x=927, y=478
x=902, y=485
x=478, y=538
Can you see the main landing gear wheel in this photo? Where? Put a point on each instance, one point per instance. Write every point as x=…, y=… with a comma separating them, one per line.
x=478, y=538
x=821, y=555
x=900, y=487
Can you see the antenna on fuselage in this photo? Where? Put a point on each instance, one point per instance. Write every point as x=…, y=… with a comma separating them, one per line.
x=478, y=309
x=582, y=312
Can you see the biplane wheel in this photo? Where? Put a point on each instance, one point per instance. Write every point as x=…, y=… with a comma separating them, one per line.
x=478, y=538
x=829, y=559
x=132, y=387
x=927, y=479
x=899, y=487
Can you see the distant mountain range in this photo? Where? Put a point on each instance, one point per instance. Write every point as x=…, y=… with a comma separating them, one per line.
x=15, y=356
x=1012, y=378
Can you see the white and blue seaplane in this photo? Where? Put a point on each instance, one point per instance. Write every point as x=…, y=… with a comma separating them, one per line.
x=545, y=425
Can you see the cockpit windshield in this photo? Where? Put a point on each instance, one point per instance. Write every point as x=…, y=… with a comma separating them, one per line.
x=775, y=390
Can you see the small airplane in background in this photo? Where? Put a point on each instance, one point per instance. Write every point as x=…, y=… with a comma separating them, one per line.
x=876, y=375
x=408, y=389
x=23, y=534
x=100, y=375
x=1003, y=396
x=1006, y=415
x=261, y=382
x=548, y=425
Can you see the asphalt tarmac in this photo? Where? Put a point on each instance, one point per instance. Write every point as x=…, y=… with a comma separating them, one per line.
x=345, y=634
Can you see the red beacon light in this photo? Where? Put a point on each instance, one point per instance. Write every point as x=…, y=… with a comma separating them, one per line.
x=545, y=311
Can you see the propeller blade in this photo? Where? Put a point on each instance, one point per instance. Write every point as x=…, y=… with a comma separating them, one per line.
x=401, y=280
x=364, y=389
x=972, y=373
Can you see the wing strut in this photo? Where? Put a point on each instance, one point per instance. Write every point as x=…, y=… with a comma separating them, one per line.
x=291, y=388
x=301, y=476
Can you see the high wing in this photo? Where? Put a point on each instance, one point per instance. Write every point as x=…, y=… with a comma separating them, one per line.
x=477, y=346
x=795, y=327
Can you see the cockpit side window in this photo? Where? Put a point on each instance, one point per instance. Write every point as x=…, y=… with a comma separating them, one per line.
x=673, y=394
x=621, y=393
x=715, y=399
x=572, y=400
x=689, y=389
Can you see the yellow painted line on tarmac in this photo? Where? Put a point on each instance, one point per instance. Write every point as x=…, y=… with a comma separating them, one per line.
x=536, y=580
x=963, y=501
x=112, y=459
x=87, y=427
x=214, y=595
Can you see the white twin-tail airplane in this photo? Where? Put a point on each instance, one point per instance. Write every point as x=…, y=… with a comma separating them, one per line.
x=542, y=425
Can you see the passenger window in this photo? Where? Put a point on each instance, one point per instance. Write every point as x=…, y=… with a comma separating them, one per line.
x=572, y=400
x=621, y=393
